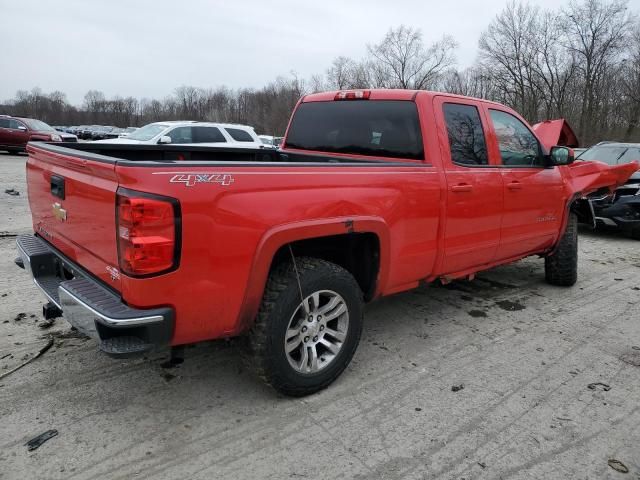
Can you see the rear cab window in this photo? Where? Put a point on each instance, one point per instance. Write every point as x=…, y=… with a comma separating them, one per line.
x=378, y=128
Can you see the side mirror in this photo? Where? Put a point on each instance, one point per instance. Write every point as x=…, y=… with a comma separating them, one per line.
x=561, y=156
x=165, y=139
x=22, y=127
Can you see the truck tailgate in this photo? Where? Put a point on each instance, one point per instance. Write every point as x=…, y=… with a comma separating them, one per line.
x=73, y=203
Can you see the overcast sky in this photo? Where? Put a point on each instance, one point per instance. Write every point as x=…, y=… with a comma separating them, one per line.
x=147, y=48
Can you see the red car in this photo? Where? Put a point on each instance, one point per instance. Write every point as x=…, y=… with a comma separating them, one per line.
x=374, y=192
x=16, y=132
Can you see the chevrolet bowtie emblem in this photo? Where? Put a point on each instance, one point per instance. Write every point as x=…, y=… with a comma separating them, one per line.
x=59, y=212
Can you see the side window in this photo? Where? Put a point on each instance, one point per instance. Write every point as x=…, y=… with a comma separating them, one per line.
x=14, y=124
x=5, y=123
x=466, y=137
x=181, y=135
x=239, y=135
x=518, y=146
x=207, y=135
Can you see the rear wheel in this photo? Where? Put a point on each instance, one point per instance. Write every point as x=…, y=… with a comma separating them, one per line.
x=635, y=232
x=561, y=268
x=302, y=341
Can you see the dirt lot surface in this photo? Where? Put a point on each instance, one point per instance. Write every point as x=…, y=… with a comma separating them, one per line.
x=524, y=352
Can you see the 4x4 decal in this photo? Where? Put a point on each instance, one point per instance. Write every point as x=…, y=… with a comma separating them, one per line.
x=190, y=179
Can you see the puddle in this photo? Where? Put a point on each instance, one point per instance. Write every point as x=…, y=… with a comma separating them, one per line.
x=510, y=306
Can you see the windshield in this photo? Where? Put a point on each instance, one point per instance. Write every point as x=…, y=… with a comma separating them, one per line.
x=632, y=153
x=37, y=125
x=147, y=132
x=604, y=153
x=385, y=128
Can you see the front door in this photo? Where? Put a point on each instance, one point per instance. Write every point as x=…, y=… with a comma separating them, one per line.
x=534, y=197
x=474, y=187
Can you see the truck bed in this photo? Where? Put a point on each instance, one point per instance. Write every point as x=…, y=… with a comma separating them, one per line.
x=238, y=207
x=130, y=155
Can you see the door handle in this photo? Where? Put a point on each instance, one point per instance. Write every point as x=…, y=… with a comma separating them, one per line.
x=514, y=186
x=462, y=187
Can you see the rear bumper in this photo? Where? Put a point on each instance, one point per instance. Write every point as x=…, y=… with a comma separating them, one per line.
x=92, y=308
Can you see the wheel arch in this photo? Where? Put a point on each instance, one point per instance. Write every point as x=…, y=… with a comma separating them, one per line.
x=304, y=238
x=584, y=211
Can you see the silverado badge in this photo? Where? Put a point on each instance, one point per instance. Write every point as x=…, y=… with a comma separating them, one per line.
x=59, y=212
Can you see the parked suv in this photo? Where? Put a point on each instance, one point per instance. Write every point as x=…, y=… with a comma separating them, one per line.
x=15, y=132
x=188, y=132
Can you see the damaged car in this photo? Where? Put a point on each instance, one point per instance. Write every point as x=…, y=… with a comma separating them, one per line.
x=620, y=210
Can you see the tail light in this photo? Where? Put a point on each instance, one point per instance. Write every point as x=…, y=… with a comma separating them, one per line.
x=353, y=95
x=148, y=233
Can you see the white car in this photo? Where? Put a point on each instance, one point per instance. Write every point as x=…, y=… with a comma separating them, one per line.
x=191, y=132
x=270, y=141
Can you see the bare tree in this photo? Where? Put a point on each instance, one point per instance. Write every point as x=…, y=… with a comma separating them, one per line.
x=94, y=104
x=401, y=59
x=555, y=68
x=597, y=32
x=630, y=80
x=508, y=50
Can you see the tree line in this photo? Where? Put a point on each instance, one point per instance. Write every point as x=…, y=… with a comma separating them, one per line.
x=580, y=62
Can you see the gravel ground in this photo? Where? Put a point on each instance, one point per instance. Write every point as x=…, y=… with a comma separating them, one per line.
x=524, y=352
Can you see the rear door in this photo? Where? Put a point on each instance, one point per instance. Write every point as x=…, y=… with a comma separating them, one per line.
x=474, y=186
x=534, y=198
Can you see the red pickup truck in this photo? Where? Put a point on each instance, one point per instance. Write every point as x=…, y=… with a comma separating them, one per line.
x=373, y=192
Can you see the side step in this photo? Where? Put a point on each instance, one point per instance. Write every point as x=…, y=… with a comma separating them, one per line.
x=124, y=347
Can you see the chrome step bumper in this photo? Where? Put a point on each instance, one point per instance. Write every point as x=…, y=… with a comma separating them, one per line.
x=88, y=305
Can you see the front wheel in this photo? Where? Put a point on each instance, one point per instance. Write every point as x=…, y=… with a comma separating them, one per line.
x=308, y=326
x=561, y=268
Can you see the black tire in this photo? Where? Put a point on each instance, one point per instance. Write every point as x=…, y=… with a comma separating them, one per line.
x=635, y=233
x=281, y=300
x=561, y=268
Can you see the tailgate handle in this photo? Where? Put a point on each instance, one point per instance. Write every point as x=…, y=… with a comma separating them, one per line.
x=57, y=186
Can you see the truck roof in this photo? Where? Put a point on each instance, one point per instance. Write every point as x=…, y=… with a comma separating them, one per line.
x=387, y=94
